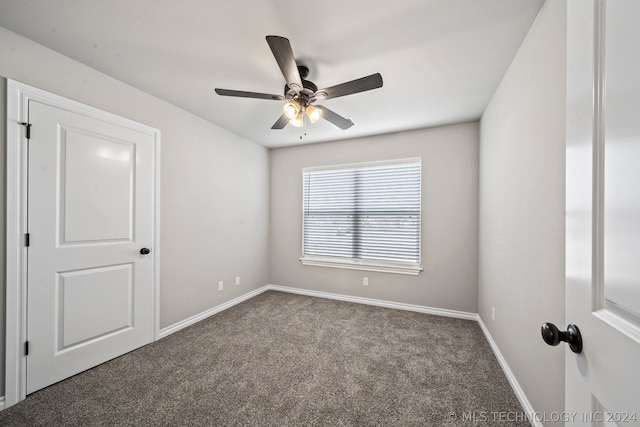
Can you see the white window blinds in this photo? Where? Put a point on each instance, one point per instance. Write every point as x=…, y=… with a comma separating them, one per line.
x=366, y=212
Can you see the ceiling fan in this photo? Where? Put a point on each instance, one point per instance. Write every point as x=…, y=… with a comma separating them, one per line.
x=302, y=94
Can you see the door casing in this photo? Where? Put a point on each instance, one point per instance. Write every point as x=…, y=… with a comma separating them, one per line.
x=18, y=96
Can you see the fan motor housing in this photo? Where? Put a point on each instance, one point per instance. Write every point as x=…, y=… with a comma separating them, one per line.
x=309, y=89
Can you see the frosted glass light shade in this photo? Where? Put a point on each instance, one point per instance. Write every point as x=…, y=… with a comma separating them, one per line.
x=314, y=113
x=298, y=121
x=291, y=110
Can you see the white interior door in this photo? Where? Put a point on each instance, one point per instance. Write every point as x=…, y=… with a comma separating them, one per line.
x=90, y=212
x=603, y=211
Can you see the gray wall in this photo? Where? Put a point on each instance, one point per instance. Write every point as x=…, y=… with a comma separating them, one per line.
x=449, y=217
x=214, y=189
x=522, y=206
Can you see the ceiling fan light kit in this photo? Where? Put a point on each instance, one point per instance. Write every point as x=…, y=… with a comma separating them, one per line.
x=301, y=93
x=293, y=111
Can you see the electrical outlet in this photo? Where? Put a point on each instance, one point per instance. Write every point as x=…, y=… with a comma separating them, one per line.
x=220, y=286
x=365, y=281
x=237, y=280
x=493, y=314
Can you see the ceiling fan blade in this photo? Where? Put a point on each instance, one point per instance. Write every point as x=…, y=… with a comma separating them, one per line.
x=280, y=123
x=243, y=94
x=335, y=118
x=373, y=81
x=281, y=49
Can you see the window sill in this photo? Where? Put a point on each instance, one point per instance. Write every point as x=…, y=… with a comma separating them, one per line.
x=360, y=264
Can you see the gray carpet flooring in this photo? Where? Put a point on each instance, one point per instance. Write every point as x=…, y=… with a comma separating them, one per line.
x=280, y=359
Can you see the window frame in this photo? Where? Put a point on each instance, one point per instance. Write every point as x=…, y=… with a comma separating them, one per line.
x=366, y=264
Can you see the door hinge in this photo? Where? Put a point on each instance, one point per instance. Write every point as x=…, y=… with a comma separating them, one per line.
x=26, y=348
x=28, y=129
x=27, y=239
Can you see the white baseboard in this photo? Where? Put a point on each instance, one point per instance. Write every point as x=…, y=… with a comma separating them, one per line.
x=377, y=302
x=522, y=398
x=360, y=300
x=1, y=403
x=210, y=312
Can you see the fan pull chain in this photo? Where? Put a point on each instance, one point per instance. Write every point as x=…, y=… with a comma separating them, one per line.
x=304, y=127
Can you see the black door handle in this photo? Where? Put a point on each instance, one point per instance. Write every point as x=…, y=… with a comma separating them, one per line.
x=552, y=336
x=145, y=251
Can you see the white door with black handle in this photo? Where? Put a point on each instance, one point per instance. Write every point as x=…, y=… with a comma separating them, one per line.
x=602, y=324
x=90, y=222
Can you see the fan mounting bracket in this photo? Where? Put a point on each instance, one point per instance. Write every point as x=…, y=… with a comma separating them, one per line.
x=303, y=70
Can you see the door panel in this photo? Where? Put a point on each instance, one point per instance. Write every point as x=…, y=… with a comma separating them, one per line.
x=96, y=187
x=90, y=204
x=621, y=162
x=92, y=303
x=603, y=211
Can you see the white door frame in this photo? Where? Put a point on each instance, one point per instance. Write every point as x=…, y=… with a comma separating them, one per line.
x=18, y=96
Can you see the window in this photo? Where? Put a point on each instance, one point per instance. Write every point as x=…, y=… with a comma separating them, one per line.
x=364, y=216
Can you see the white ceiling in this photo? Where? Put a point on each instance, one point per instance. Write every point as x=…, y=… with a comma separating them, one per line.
x=441, y=60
